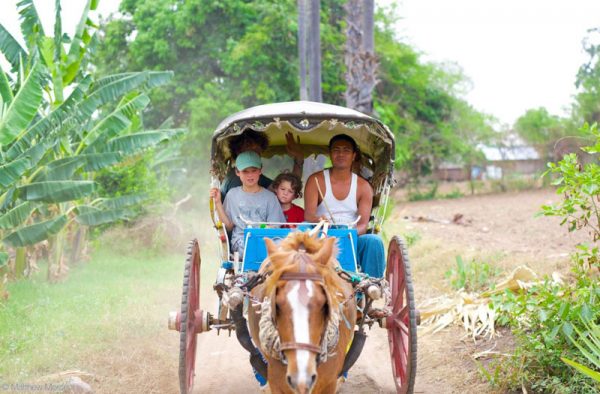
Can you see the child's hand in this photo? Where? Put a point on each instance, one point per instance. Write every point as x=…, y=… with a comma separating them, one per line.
x=215, y=193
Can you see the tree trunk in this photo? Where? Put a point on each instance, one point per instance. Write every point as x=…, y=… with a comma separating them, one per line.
x=314, y=42
x=20, y=262
x=302, y=52
x=360, y=60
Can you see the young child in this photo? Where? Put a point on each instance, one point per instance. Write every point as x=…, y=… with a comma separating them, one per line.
x=288, y=187
x=250, y=201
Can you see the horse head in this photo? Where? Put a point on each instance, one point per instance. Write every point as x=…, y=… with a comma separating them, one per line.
x=303, y=292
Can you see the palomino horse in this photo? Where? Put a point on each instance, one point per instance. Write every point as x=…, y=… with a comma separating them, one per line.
x=306, y=319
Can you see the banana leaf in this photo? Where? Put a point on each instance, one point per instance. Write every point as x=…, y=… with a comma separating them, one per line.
x=56, y=191
x=3, y=259
x=31, y=26
x=36, y=232
x=17, y=215
x=98, y=217
x=5, y=90
x=55, y=120
x=123, y=201
x=134, y=143
x=11, y=49
x=11, y=172
x=23, y=107
x=582, y=368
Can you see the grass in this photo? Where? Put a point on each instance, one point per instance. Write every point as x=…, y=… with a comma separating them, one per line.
x=48, y=328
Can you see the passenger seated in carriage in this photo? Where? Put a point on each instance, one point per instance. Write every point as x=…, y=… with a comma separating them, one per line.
x=287, y=188
x=254, y=141
x=340, y=196
x=250, y=201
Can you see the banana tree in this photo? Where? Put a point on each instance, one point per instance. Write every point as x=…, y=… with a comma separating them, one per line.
x=59, y=125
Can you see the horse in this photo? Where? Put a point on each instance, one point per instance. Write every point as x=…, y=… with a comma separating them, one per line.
x=305, y=322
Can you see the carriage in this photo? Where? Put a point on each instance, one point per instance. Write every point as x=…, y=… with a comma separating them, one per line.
x=315, y=124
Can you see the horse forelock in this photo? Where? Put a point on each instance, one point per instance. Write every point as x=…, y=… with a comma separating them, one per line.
x=286, y=259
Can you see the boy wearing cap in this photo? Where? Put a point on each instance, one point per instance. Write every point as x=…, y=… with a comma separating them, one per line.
x=250, y=201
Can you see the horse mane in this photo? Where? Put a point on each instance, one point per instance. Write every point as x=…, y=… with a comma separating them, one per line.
x=283, y=260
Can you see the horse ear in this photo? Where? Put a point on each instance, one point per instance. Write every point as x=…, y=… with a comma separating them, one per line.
x=271, y=246
x=324, y=254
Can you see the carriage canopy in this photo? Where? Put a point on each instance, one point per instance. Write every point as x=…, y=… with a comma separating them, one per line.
x=315, y=124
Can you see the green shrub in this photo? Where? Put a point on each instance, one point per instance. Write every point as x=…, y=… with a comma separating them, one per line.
x=472, y=275
x=415, y=194
x=543, y=318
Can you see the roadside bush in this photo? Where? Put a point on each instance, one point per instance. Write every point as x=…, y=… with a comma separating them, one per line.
x=415, y=193
x=472, y=275
x=544, y=318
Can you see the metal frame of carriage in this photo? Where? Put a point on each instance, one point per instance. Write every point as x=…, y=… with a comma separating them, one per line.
x=315, y=123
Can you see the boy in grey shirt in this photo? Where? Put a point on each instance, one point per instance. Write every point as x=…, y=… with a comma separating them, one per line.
x=250, y=201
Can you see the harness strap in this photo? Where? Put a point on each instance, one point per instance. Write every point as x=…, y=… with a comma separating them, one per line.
x=301, y=276
x=300, y=346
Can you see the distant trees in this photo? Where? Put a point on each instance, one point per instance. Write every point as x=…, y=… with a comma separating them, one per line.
x=232, y=54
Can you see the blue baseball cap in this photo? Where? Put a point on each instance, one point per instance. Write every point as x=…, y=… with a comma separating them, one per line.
x=248, y=159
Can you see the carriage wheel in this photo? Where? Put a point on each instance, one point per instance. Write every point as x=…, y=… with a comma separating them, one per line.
x=190, y=320
x=402, y=322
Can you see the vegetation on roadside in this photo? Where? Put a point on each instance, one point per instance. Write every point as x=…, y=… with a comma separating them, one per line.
x=59, y=128
x=51, y=328
x=553, y=320
x=472, y=275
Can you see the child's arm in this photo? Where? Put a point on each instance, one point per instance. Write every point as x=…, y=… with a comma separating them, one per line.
x=215, y=194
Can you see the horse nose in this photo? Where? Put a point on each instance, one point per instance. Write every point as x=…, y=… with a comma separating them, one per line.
x=301, y=387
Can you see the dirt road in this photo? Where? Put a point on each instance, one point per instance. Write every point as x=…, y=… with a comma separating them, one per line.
x=500, y=229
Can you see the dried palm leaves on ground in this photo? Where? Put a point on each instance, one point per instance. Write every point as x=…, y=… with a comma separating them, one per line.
x=472, y=310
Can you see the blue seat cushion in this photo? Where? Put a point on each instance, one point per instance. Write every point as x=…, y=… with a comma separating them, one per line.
x=256, y=251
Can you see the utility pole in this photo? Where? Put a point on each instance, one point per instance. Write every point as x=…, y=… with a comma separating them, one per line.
x=302, y=52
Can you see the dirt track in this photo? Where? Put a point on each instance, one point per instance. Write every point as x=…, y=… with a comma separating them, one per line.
x=500, y=229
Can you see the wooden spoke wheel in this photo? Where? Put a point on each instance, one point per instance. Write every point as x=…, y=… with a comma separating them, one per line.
x=402, y=322
x=190, y=318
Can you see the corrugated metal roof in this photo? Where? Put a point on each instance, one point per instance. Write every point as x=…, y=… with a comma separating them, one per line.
x=510, y=153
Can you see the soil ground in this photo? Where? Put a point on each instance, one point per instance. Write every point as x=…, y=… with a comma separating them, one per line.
x=500, y=229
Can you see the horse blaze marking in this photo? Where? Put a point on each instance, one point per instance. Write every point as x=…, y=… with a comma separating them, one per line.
x=301, y=291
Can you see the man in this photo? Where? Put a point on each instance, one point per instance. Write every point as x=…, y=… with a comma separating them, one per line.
x=340, y=196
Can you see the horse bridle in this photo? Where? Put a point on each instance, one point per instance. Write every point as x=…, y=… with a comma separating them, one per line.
x=301, y=276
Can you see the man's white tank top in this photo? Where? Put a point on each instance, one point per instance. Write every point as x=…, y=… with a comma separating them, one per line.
x=343, y=211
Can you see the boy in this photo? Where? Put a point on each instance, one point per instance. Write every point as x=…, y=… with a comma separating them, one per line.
x=250, y=201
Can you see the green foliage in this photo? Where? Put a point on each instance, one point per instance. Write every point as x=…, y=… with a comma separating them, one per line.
x=540, y=129
x=545, y=318
x=542, y=319
x=581, y=188
x=412, y=238
x=58, y=125
x=229, y=55
x=472, y=275
x=455, y=193
x=415, y=193
x=588, y=343
x=588, y=81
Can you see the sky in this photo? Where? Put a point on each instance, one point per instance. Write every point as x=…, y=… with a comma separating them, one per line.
x=518, y=54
